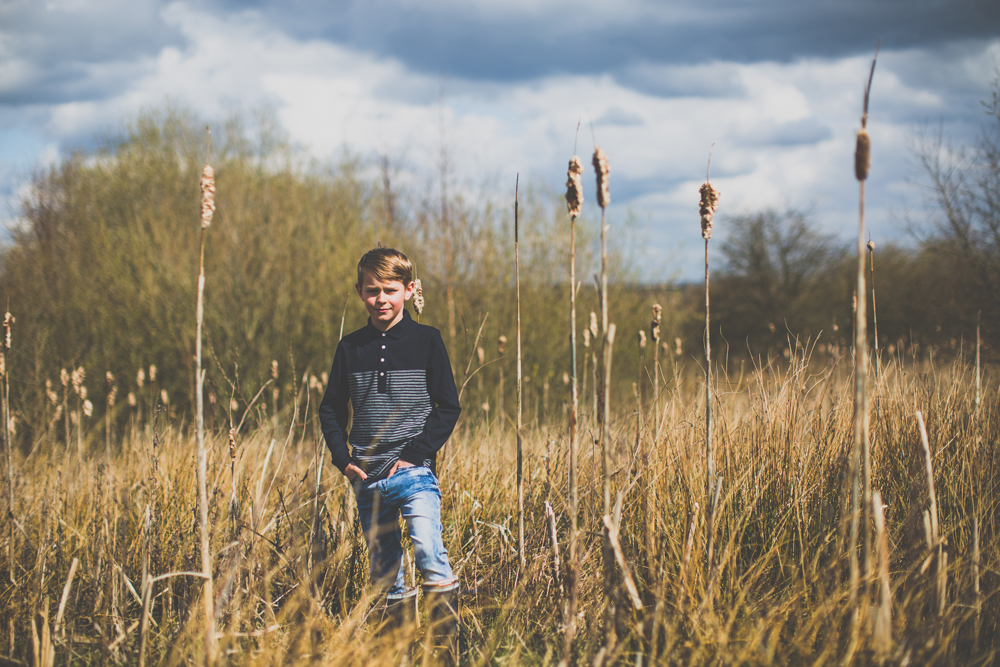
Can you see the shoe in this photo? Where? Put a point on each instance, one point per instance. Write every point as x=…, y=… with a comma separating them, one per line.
x=441, y=598
x=400, y=611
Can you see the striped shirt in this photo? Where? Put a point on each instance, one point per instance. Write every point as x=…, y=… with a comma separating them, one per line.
x=402, y=391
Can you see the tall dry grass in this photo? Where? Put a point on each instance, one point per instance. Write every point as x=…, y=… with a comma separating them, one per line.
x=781, y=587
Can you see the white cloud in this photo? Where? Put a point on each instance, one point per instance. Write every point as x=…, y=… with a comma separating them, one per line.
x=783, y=132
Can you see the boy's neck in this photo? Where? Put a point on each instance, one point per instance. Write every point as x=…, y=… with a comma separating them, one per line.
x=378, y=325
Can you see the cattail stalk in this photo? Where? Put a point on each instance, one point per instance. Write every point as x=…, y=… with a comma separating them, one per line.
x=654, y=334
x=708, y=206
x=861, y=456
x=520, y=474
x=8, y=325
x=882, y=634
x=871, y=260
x=574, y=204
x=207, y=208
x=934, y=541
x=602, y=170
x=979, y=372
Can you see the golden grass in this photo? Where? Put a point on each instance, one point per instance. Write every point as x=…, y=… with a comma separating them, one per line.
x=779, y=585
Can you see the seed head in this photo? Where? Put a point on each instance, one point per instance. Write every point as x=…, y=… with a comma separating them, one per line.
x=140, y=378
x=593, y=325
x=677, y=342
x=324, y=377
x=232, y=444
x=112, y=396
x=207, y=196
x=109, y=377
x=88, y=409
x=574, y=187
x=8, y=324
x=862, y=155
x=602, y=169
x=642, y=339
x=83, y=393
x=654, y=327
x=418, y=296
x=501, y=341
x=274, y=369
x=565, y=377
x=77, y=379
x=152, y=372
x=164, y=398
x=481, y=355
x=709, y=204
x=871, y=246
x=586, y=337
x=64, y=377
x=131, y=399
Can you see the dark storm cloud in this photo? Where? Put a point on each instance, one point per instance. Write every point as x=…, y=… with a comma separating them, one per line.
x=464, y=40
x=57, y=52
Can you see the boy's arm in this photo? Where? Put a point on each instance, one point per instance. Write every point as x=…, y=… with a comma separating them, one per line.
x=444, y=406
x=333, y=413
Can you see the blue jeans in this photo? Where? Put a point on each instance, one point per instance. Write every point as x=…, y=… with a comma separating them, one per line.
x=414, y=492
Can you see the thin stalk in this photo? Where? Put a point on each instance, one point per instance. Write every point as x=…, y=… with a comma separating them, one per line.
x=8, y=440
x=709, y=453
x=206, y=556
x=871, y=258
x=520, y=474
x=574, y=566
x=979, y=372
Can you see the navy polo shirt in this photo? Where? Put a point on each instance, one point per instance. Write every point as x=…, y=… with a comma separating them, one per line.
x=401, y=388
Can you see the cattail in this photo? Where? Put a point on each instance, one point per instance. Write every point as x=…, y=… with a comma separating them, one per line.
x=862, y=153
x=152, y=372
x=274, y=369
x=709, y=204
x=418, y=296
x=677, y=342
x=574, y=187
x=480, y=355
x=83, y=393
x=77, y=379
x=88, y=408
x=314, y=383
x=501, y=341
x=870, y=246
x=52, y=396
x=565, y=378
x=593, y=325
x=64, y=377
x=164, y=398
x=232, y=444
x=131, y=399
x=642, y=339
x=207, y=196
x=586, y=337
x=654, y=328
x=324, y=377
x=233, y=405
x=112, y=396
x=8, y=325
x=602, y=169
x=140, y=378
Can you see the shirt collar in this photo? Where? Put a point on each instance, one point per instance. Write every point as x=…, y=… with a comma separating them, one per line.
x=397, y=330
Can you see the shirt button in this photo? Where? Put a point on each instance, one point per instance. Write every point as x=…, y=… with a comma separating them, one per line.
x=382, y=359
x=383, y=347
x=383, y=335
x=382, y=373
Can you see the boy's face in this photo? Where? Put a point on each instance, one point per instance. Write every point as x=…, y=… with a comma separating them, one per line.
x=384, y=300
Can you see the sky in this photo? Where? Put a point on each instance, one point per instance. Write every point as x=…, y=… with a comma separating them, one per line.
x=773, y=88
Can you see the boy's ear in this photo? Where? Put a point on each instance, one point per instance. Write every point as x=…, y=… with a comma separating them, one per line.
x=409, y=290
x=357, y=288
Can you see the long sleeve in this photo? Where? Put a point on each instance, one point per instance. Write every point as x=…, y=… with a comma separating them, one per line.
x=333, y=410
x=444, y=406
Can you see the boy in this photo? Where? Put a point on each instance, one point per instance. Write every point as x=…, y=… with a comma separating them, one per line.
x=398, y=378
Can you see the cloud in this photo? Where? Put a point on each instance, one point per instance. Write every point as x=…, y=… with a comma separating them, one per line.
x=781, y=116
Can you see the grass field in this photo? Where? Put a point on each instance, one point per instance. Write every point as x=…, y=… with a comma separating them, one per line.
x=94, y=537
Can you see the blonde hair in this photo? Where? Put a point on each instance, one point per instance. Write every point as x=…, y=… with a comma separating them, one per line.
x=385, y=264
